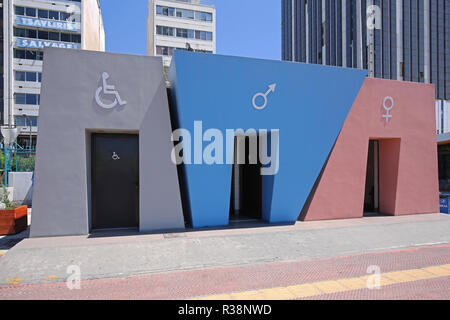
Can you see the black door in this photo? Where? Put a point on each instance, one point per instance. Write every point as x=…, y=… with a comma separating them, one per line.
x=371, y=193
x=115, y=181
x=249, y=184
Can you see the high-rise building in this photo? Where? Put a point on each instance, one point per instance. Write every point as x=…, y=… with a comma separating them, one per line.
x=180, y=24
x=394, y=39
x=28, y=27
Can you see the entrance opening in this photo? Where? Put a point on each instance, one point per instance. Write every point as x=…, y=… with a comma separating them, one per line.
x=246, y=190
x=115, y=181
x=371, y=198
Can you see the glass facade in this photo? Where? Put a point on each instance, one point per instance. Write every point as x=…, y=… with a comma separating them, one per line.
x=413, y=43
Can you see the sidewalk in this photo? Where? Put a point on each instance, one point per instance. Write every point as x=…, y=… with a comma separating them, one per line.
x=417, y=273
x=105, y=256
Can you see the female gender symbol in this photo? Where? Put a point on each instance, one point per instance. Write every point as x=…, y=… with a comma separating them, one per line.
x=387, y=116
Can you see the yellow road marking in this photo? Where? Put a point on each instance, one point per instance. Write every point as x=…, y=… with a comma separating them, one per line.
x=2, y=253
x=332, y=286
x=247, y=295
x=399, y=276
x=353, y=283
x=304, y=290
x=218, y=297
x=277, y=294
x=52, y=277
x=14, y=281
x=440, y=271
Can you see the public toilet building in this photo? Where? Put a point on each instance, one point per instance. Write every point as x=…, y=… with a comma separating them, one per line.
x=232, y=139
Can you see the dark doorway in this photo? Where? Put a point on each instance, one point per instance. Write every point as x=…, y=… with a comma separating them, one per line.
x=246, y=190
x=371, y=198
x=115, y=181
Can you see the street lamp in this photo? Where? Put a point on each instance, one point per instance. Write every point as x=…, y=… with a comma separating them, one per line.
x=10, y=135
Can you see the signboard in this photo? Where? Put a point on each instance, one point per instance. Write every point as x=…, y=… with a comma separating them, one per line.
x=40, y=44
x=48, y=24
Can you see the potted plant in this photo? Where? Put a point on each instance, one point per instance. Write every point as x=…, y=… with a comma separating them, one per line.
x=13, y=218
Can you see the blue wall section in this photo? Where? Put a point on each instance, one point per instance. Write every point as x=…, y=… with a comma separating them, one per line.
x=309, y=107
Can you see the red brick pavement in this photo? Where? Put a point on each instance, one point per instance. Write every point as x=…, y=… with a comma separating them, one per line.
x=187, y=284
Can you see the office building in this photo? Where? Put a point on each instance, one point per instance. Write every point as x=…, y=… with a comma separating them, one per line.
x=399, y=40
x=28, y=27
x=180, y=24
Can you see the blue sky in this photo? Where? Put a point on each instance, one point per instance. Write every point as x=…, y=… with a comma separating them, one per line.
x=250, y=28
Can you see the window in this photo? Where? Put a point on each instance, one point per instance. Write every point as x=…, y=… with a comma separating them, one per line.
x=20, y=76
x=190, y=14
x=21, y=98
x=31, y=76
x=19, y=32
x=183, y=13
x=20, y=11
x=19, y=54
x=28, y=76
x=164, y=51
x=65, y=37
x=25, y=121
x=182, y=33
x=27, y=98
x=28, y=54
x=46, y=35
x=26, y=33
x=30, y=12
x=64, y=16
x=53, y=15
x=203, y=16
x=76, y=38
x=43, y=14
x=53, y=36
x=43, y=35
x=165, y=31
x=32, y=99
x=203, y=35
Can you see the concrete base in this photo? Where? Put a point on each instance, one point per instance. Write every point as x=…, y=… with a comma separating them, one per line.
x=22, y=186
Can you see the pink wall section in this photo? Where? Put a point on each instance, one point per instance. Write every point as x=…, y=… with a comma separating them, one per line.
x=408, y=154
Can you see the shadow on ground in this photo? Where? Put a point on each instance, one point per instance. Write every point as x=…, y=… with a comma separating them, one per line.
x=180, y=233
x=7, y=242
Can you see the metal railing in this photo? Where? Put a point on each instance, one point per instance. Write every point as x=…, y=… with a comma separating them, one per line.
x=18, y=159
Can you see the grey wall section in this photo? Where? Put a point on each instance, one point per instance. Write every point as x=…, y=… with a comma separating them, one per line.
x=22, y=182
x=69, y=115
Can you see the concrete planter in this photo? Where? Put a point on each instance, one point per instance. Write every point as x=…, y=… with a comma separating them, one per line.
x=13, y=221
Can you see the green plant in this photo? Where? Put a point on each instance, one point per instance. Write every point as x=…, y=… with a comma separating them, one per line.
x=5, y=198
x=24, y=164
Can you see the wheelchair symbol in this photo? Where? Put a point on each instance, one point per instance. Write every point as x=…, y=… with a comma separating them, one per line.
x=264, y=96
x=108, y=90
x=115, y=156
